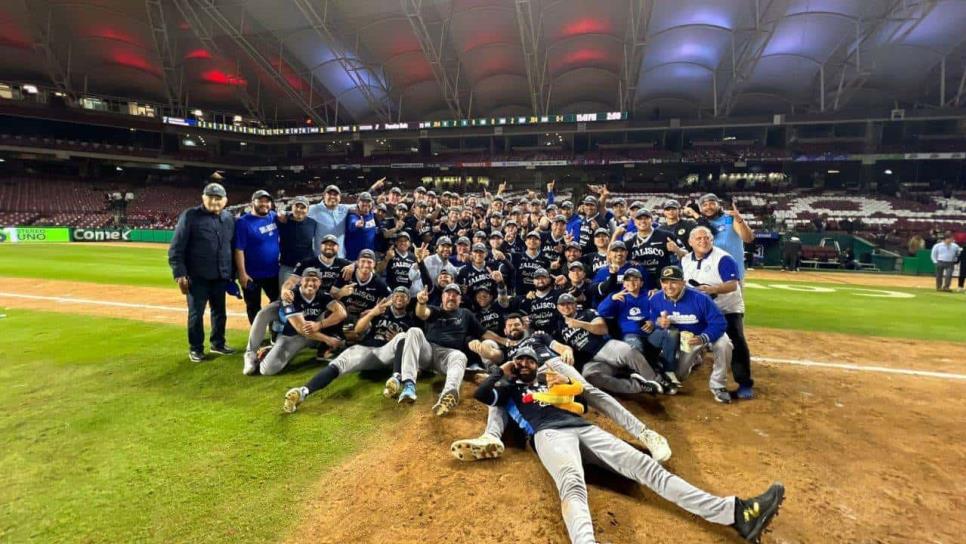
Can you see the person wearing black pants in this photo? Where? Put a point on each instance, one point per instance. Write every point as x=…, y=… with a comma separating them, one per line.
x=741, y=355
x=200, y=257
x=257, y=252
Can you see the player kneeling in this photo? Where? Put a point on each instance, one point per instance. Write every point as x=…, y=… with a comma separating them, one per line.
x=382, y=330
x=304, y=324
x=562, y=438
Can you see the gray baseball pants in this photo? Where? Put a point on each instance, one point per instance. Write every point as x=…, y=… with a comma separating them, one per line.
x=359, y=358
x=562, y=452
x=418, y=354
x=721, y=350
x=614, y=356
x=264, y=318
x=282, y=353
x=496, y=417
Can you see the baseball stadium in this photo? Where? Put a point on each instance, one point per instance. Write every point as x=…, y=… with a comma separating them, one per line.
x=483, y=271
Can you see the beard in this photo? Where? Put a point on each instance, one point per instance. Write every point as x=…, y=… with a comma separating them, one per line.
x=516, y=335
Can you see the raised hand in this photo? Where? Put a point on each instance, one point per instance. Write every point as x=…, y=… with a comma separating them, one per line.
x=619, y=296
x=422, y=297
x=381, y=306
x=663, y=321
x=347, y=271
x=288, y=296
x=497, y=276
x=551, y=185
x=672, y=247
x=345, y=291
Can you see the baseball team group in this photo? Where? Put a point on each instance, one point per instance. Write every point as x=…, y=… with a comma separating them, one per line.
x=547, y=306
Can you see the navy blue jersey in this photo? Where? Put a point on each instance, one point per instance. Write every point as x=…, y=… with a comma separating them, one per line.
x=471, y=278
x=525, y=265
x=491, y=318
x=328, y=273
x=452, y=329
x=364, y=297
x=516, y=398
x=310, y=310
x=584, y=343
x=397, y=271
x=594, y=261
x=552, y=248
x=383, y=328
x=650, y=252
x=539, y=342
x=541, y=309
x=681, y=232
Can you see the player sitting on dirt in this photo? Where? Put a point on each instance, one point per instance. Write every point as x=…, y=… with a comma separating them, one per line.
x=561, y=439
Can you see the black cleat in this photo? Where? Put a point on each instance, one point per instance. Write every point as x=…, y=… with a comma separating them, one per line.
x=196, y=356
x=753, y=515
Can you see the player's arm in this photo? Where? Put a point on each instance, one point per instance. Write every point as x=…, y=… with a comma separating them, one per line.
x=422, y=309
x=337, y=314
x=741, y=226
x=381, y=265
x=362, y=325
x=595, y=326
x=566, y=352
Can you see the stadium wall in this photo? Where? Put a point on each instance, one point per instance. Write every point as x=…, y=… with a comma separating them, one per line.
x=33, y=235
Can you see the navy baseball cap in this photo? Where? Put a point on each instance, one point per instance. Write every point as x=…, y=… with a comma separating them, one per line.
x=215, y=189
x=496, y=234
x=669, y=204
x=463, y=241
x=367, y=254
x=672, y=273
x=590, y=200
x=261, y=193
x=541, y=272
x=402, y=206
x=402, y=290
x=396, y=190
x=633, y=273
x=567, y=205
x=330, y=238
x=566, y=298
x=453, y=287
x=533, y=234
x=479, y=234
x=420, y=189
x=479, y=247
x=707, y=197
x=559, y=219
x=601, y=230
x=617, y=244
x=300, y=200
x=577, y=264
x=526, y=353
x=573, y=245
x=365, y=196
x=636, y=204
x=643, y=212
x=403, y=234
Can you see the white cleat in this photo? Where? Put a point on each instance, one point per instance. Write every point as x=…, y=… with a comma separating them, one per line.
x=251, y=363
x=656, y=444
x=475, y=449
x=293, y=398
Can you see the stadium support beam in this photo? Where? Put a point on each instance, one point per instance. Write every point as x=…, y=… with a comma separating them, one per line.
x=434, y=54
x=41, y=35
x=635, y=41
x=361, y=78
x=744, y=63
x=172, y=81
x=236, y=34
x=186, y=9
x=530, y=39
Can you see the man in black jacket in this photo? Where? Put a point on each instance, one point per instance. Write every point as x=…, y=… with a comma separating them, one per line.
x=200, y=257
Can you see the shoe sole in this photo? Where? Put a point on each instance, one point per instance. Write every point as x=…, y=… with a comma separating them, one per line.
x=475, y=452
x=222, y=352
x=407, y=400
x=194, y=359
x=442, y=407
x=764, y=520
x=292, y=401
x=391, y=390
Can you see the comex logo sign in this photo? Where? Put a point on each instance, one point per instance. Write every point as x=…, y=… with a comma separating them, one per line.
x=101, y=235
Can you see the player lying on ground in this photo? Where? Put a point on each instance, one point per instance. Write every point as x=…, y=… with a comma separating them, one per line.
x=304, y=324
x=490, y=444
x=382, y=330
x=563, y=440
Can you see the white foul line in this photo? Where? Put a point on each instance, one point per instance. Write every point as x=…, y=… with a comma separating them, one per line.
x=798, y=362
x=848, y=366
x=71, y=300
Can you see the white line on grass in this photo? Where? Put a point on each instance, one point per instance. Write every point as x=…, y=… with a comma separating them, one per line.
x=72, y=300
x=863, y=368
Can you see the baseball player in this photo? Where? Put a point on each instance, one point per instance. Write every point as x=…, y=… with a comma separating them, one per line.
x=399, y=260
x=712, y=271
x=364, y=289
x=648, y=247
x=527, y=262
x=304, y=324
x=598, y=259
x=382, y=330
x=629, y=307
x=540, y=304
x=561, y=439
x=329, y=265
x=685, y=322
x=608, y=279
x=599, y=358
x=429, y=266
x=439, y=348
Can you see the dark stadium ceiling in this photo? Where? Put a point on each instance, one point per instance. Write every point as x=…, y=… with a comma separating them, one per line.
x=378, y=60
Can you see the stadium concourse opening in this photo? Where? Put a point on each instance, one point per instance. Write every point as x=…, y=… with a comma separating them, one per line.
x=560, y=270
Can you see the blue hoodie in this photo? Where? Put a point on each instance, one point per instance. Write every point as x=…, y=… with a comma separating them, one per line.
x=695, y=312
x=630, y=314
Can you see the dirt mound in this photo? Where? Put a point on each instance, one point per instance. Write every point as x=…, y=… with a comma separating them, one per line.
x=865, y=458
x=843, y=278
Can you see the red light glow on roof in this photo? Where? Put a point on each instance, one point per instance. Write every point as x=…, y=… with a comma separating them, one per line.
x=199, y=54
x=221, y=78
x=137, y=62
x=108, y=33
x=585, y=26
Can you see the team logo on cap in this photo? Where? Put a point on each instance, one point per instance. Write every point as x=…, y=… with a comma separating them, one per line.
x=667, y=273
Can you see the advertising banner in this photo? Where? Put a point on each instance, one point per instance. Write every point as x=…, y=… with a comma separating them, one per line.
x=100, y=235
x=34, y=235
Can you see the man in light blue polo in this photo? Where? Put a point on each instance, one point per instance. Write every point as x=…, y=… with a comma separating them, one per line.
x=330, y=214
x=731, y=231
x=944, y=255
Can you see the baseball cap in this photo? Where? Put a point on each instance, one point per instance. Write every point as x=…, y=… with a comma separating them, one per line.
x=452, y=287
x=261, y=193
x=396, y=190
x=601, y=230
x=573, y=245
x=431, y=193
x=333, y=189
x=577, y=264
x=633, y=273
x=567, y=205
x=498, y=198
x=463, y=241
x=311, y=272
x=381, y=208
x=300, y=200
x=643, y=212
x=617, y=244
x=420, y=189
x=668, y=204
x=365, y=196
x=541, y=272
x=367, y=254
x=403, y=234
x=566, y=298
x=533, y=234
x=479, y=247
x=401, y=289
x=707, y=197
x=672, y=273
x=421, y=204
x=636, y=204
x=330, y=238
x=590, y=200
x=402, y=206
x=496, y=234
x=619, y=200
x=215, y=189
x=559, y=219
x=444, y=241
x=479, y=234
x=526, y=353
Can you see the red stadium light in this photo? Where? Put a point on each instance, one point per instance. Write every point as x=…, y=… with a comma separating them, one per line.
x=586, y=26
x=199, y=54
x=221, y=78
x=131, y=60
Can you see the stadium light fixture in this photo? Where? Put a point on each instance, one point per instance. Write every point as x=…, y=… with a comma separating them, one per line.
x=118, y=168
x=833, y=171
x=237, y=119
x=30, y=89
x=888, y=172
x=197, y=113
x=3, y=160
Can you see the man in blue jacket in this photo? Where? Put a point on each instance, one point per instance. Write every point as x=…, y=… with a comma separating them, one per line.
x=685, y=322
x=360, y=228
x=201, y=262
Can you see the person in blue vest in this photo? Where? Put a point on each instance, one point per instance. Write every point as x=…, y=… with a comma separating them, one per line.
x=256, y=253
x=731, y=231
x=361, y=228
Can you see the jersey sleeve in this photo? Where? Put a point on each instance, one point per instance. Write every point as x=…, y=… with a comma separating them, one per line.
x=727, y=268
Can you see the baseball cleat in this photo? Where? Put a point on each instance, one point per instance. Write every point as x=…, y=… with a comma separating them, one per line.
x=196, y=356
x=673, y=378
x=293, y=398
x=447, y=401
x=745, y=392
x=408, y=394
x=262, y=353
x=475, y=449
x=667, y=387
x=656, y=444
x=223, y=350
x=251, y=363
x=391, y=390
x=652, y=387
x=721, y=395
x=753, y=515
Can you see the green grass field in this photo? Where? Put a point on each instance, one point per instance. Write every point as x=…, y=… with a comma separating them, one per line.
x=111, y=435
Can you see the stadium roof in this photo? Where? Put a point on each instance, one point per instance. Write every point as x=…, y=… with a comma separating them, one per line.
x=381, y=60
